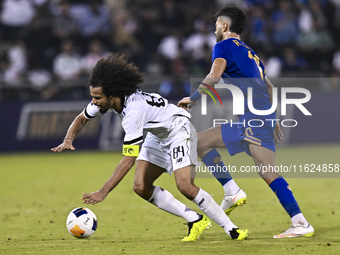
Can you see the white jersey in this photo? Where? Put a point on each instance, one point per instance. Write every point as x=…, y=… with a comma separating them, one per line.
x=146, y=111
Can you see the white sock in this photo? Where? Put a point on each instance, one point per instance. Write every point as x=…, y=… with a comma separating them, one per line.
x=231, y=188
x=208, y=205
x=300, y=219
x=164, y=200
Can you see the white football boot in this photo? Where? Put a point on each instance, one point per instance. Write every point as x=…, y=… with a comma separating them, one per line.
x=229, y=203
x=297, y=230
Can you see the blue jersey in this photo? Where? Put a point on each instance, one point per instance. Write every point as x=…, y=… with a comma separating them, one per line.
x=244, y=69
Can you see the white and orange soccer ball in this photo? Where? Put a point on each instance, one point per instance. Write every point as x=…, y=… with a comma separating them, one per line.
x=81, y=222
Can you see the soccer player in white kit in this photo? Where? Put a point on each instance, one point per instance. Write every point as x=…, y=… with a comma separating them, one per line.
x=169, y=146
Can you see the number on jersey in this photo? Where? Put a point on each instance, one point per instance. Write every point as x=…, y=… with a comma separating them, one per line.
x=257, y=61
x=178, y=151
x=154, y=101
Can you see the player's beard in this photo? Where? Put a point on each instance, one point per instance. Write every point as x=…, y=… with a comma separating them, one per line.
x=219, y=35
x=103, y=111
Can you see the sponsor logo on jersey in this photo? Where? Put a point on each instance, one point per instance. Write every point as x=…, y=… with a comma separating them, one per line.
x=179, y=160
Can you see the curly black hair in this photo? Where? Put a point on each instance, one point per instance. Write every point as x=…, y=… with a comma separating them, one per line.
x=237, y=16
x=116, y=76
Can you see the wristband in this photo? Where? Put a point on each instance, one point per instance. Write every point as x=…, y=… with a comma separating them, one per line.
x=68, y=138
x=194, y=97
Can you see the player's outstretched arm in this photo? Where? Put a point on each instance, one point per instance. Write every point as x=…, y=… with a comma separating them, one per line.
x=119, y=173
x=76, y=126
x=217, y=69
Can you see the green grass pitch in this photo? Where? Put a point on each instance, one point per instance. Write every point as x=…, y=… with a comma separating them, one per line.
x=38, y=190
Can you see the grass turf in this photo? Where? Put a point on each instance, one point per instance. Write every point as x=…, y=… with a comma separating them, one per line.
x=38, y=190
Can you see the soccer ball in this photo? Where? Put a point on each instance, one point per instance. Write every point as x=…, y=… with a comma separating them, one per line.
x=81, y=222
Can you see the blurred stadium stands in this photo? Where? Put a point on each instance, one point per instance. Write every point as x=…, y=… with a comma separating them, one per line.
x=48, y=47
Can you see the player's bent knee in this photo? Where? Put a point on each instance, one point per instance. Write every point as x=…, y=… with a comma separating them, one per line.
x=139, y=189
x=202, y=142
x=143, y=190
x=202, y=151
x=187, y=189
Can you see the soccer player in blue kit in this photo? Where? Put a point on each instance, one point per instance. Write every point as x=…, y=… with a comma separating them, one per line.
x=237, y=64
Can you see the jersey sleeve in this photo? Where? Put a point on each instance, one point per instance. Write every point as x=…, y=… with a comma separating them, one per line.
x=220, y=50
x=91, y=111
x=133, y=125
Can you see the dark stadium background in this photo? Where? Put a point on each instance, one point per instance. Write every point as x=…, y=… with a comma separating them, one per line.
x=48, y=47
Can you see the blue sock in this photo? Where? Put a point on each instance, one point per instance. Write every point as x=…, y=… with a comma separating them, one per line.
x=220, y=173
x=285, y=196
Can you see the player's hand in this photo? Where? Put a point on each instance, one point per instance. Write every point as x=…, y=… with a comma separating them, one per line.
x=278, y=136
x=93, y=198
x=66, y=145
x=186, y=103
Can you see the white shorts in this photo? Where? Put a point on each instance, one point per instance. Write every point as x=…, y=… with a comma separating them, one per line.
x=171, y=153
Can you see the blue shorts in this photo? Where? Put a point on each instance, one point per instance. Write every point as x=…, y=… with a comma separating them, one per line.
x=237, y=137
